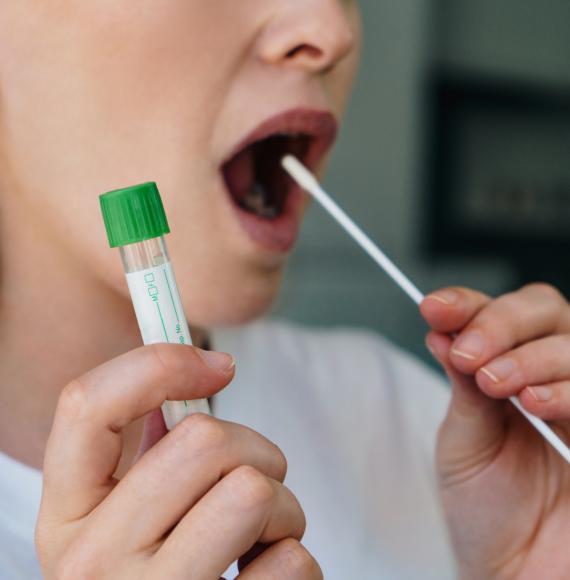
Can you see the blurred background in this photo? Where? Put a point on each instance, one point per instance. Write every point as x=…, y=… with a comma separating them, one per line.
x=455, y=157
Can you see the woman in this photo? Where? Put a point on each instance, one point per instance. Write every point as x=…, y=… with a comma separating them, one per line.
x=204, y=97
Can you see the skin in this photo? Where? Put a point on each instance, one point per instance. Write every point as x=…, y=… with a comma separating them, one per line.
x=95, y=96
x=505, y=491
x=66, y=114
x=93, y=525
x=69, y=130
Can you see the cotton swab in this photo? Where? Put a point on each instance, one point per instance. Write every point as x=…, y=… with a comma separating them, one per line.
x=309, y=183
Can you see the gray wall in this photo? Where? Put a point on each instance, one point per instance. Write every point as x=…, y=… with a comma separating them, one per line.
x=528, y=39
x=376, y=173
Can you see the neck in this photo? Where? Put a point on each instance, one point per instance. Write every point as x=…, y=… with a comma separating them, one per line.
x=57, y=321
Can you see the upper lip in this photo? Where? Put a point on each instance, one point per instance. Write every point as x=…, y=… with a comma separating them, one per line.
x=320, y=126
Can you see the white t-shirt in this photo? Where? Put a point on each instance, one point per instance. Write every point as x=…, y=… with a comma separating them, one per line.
x=356, y=418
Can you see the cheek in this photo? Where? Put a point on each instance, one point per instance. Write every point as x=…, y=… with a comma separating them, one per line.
x=105, y=94
x=89, y=99
x=341, y=80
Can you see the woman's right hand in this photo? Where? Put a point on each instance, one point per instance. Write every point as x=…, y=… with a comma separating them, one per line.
x=206, y=494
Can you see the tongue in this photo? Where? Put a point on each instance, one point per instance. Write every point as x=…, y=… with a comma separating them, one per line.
x=240, y=174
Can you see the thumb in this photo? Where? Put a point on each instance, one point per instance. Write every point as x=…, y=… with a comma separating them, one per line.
x=474, y=428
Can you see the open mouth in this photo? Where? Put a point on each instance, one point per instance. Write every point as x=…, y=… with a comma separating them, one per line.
x=255, y=179
x=267, y=203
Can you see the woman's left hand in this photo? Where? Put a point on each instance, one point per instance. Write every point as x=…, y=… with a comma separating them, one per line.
x=506, y=492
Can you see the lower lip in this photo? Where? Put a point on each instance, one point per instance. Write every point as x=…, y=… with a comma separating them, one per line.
x=277, y=235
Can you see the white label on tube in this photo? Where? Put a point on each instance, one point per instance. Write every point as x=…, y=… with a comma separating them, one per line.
x=161, y=318
x=157, y=305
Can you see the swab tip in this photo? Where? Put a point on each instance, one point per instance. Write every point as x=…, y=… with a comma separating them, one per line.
x=299, y=172
x=289, y=162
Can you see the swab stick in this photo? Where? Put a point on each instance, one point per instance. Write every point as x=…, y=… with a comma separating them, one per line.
x=310, y=184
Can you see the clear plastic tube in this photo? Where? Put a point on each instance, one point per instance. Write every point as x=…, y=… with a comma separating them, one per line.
x=159, y=310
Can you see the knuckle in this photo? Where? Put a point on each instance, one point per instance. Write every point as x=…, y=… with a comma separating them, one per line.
x=208, y=435
x=527, y=363
x=301, y=520
x=462, y=291
x=548, y=291
x=468, y=297
x=298, y=560
x=167, y=361
x=74, y=398
x=252, y=488
x=278, y=460
x=507, y=306
x=502, y=316
x=281, y=463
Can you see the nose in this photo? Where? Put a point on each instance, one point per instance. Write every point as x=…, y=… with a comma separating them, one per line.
x=313, y=35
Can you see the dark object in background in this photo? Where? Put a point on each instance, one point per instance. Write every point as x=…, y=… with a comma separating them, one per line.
x=500, y=174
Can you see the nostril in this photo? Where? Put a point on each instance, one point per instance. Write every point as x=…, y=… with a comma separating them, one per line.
x=305, y=49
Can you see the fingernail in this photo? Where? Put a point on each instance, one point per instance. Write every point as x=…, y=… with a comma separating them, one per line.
x=500, y=369
x=219, y=361
x=470, y=346
x=541, y=394
x=444, y=296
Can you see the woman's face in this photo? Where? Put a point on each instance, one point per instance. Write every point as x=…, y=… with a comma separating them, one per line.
x=100, y=95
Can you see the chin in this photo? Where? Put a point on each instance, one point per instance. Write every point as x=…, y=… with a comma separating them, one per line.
x=252, y=299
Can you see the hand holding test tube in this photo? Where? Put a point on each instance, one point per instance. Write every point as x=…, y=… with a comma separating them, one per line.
x=195, y=499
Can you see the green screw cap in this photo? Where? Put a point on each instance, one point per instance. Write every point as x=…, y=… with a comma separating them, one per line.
x=133, y=214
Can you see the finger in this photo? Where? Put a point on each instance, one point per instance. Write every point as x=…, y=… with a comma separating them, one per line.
x=85, y=443
x=538, y=362
x=284, y=560
x=244, y=508
x=474, y=428
x=154, y=430
x=510, y=320
x=549, y=401
x=181, y=468
x=448, y=310
x=251, y=555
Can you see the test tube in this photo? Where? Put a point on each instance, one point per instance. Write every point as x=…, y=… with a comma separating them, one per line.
x=136, y=223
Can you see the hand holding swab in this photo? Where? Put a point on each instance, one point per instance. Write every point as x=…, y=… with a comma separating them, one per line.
x=309, y=183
